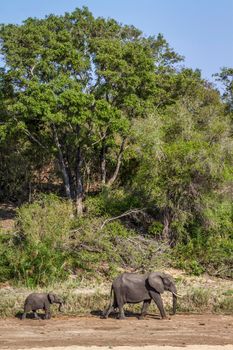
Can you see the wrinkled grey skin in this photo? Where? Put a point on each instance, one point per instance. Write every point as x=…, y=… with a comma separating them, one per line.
x=134, y=288
x=36, y=301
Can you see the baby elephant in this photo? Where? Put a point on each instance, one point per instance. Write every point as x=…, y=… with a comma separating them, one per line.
x=36, y=301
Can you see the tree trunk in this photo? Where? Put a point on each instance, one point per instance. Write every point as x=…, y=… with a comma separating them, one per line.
x=79, y=184
x=87, y=177
x=103, y=163
x=166, y=223
x=68, y=161
x=119, y=158
x=62, y=163
x=79, y=180
x=167, y=233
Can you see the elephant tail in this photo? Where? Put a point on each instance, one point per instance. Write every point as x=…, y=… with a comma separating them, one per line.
x=111, y=297
x=110, y=306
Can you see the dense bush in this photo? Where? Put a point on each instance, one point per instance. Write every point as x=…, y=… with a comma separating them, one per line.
x=34, y=254
x=214, y=255
x=52, y=244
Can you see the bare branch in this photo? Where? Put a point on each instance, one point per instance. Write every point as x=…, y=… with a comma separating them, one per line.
x=32, y=69
x=128, y=212
x=31, y=136
x=34, y=139
x=119, y=158
x=94, y=143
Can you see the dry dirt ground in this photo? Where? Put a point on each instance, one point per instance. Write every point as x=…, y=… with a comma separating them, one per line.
x=66, y=333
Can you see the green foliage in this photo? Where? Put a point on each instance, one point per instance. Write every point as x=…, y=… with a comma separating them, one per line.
x=111, y=202
x=52, y=217
x=6, y=255
x=228, y=292
x=188, y=164
x=220, y=218
x=52, y=244
x=111, y=248
x=225, y=305
x=210, y=254
x=14, y=178
x=42, y=232
x=225, y=77
x=156, y=229
x=210, y=247
x=77, y=84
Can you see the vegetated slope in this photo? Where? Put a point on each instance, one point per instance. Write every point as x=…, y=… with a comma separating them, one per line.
x=117, y=157
x=78, y=258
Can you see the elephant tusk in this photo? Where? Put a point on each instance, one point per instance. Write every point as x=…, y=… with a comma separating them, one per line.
x=177, y=295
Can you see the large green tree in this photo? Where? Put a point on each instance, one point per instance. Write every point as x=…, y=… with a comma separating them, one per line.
x=226, y=78
x=78, y=84
x=187, y=161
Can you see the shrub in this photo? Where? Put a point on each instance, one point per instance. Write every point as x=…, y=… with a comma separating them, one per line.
x=48, y=219
x=42, y=232
x=6, y=255
x=110, y=202
x=52, y=245
x=211, y=254
x=112, y=248
x=225, y=305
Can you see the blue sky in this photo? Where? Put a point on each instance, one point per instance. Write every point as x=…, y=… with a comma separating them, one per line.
x=200, y=30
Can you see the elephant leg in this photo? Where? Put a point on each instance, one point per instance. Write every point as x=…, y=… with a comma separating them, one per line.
x=121, y=315
x=145, y=305
x=23, y=316
x=35, y=315
x=112, y=306
x=47, y=314
x=108, y=311
x=158, y=301
x=26, y=309
x=119, y=302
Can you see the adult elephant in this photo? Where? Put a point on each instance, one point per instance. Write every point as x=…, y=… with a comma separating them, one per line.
x=134, y=288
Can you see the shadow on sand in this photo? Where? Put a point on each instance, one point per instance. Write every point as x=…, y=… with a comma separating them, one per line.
x=99, y=313
x=30, y=316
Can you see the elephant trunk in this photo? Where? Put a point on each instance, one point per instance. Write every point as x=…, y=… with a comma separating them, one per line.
x=174, y=303
x=60, y=307
x=174, y=295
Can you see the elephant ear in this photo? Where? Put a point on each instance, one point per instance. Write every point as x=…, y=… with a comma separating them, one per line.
x=156, y=282
x=51, y=297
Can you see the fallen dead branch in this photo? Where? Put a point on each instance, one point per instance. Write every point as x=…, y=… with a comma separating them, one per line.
x=128, y=212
